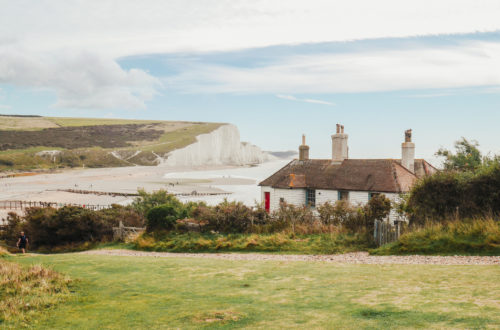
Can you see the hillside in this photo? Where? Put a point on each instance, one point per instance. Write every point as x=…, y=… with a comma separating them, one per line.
x=32, y=142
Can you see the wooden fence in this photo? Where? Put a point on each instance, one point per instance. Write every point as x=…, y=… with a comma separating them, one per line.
x=21, y=205
x=385, y=233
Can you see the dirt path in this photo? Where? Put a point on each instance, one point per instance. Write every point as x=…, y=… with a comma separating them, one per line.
x=350, y=258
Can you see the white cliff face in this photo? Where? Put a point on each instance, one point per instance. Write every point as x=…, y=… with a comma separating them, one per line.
x=220, y=147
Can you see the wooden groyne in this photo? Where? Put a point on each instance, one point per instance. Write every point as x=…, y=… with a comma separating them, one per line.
x=115, y=194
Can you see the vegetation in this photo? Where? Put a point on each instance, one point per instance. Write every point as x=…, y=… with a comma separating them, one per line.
x=67, y=228
x=281, y=242
x=132, y=292
x=104, y=136
x=477, y=237
x=90, y=142
x=26, y=291
x=233, y=226
x=467, y=156
x=456, y=194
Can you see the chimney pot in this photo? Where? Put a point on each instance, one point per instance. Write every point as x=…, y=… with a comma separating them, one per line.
x=303, y=149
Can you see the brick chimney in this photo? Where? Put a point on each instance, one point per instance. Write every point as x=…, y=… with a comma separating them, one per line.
x=408, y=152
x=303, y=149
x=340, y=149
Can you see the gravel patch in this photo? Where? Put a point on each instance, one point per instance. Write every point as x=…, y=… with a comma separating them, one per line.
x=349, y=258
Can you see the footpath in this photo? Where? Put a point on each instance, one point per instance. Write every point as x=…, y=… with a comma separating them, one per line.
x=349, y=258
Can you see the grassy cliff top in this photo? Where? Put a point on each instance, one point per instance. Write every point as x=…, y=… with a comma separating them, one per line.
x=93, y=142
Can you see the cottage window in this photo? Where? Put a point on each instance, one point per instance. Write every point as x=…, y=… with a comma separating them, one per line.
x=343, y=195
x=311, y=197
x=372, y=194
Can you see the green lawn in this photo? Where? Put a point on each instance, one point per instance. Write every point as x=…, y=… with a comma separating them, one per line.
x=132, y=292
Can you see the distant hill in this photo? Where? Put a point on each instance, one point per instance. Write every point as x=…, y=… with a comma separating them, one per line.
x=284, y=154
x=33, y=142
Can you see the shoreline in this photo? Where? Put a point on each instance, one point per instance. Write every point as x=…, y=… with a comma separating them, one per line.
x=118, y=185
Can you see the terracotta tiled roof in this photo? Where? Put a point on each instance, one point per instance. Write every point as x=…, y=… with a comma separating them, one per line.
x=382, y=175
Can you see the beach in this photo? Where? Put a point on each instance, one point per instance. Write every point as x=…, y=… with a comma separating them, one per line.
x=202, y=183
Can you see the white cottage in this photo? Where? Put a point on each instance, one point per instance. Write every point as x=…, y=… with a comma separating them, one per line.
x=316, y=181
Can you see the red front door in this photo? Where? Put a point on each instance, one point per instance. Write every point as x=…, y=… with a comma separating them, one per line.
x=267, y=200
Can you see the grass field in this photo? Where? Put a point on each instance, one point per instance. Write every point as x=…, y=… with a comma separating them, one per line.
x=132, y=292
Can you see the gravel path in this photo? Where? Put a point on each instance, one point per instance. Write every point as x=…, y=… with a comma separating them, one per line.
x=349, y=258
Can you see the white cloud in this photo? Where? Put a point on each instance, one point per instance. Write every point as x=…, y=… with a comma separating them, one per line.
x=79, y=79
x=5, y=107
x=127, y=27
x=70, y=46
x=293, y=98
x=469, y=64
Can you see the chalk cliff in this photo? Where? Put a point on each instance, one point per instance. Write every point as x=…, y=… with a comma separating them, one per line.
x=220, y=147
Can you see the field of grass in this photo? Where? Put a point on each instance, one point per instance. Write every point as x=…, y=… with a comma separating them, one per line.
x=24, y=137
x=27, y=291
x=333, y=243
x=132, y=292
x=74, y=122
x=477, y=237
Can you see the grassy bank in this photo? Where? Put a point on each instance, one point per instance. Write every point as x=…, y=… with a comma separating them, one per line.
x=133, y=142
x=27, y=291
x=277, y=243
x=189, y=293
x=478, y=237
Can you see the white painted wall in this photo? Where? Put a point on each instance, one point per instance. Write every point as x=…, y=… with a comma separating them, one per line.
x=298, y=197
x=323, y=196
x=290, y=196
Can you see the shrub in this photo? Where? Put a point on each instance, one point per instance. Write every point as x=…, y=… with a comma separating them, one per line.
x=6, y=162
x=161, y=217
x=290, y=216
x=456, y=195
x=70, y=226
x=378, y=208
x=334, y=214
x=127, y=215
x=230, y=217
x=147, y=201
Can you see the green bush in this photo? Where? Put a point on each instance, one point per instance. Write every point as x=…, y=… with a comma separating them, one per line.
x=230, y=217
x=147, y=201
x=163, y=217
x=70, y=226
x=456, y=195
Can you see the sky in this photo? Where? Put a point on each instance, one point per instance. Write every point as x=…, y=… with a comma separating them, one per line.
x=276, y=69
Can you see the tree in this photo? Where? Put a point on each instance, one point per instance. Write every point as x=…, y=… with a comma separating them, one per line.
x=467, y=156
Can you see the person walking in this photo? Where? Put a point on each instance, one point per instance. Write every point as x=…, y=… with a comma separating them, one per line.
x=22, y=242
